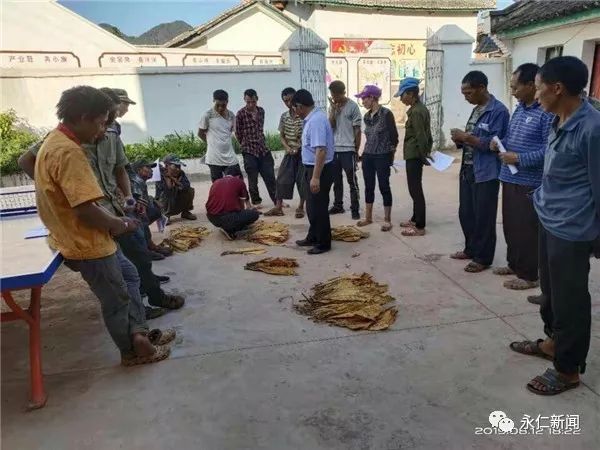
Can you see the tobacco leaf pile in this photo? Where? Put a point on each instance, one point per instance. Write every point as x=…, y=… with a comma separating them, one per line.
x=351, y=301
x=274, y=266
x=246, y=251
x=268, y=233
x=183, y=238
x=348, y=233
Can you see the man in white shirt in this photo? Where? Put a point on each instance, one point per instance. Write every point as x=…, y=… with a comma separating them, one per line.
x=216, y=129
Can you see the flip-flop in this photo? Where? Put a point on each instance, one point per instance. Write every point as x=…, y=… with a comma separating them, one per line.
x=553, y=383
x=387, y=226
x=460, y=255
x=530, y=348
x=299, y=213
x=408, y=224
x=158, y=337
x=162, y=352
x=502, y=271
x=411, y=232
x=363, y=223
x=520, y=285
x=274, y=212
x=474, y=267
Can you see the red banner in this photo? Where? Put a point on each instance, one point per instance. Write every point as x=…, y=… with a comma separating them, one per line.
x=350, y=45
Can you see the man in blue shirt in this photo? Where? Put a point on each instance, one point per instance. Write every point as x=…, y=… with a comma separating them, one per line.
x=317, y=155
x=525, y=145
x=479, y=185
x=568, y=206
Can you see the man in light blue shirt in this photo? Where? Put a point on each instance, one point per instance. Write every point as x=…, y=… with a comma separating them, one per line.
x=568, y=206
x=317, y=155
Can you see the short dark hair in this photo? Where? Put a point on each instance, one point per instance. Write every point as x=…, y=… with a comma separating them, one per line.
x=82, y=101
x=475, y=79
x=288, y=91
x=221, y=95
x=234, y=171
x=568, y=70
x=526, y=73
x=303, y=97
x=337, y=87
x=250, y=93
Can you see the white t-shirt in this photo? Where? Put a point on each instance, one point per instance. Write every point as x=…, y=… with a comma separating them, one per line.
x=219, y=130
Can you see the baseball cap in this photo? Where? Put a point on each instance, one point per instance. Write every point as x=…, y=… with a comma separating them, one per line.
x=122, y=93
x=370, y=90
x=406, y=84
x=143, y=163
x=173, y=159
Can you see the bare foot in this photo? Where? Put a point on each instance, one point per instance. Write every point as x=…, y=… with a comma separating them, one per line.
x=142, y=345
x=547, y=346
x=386, y=226
x=364, y=222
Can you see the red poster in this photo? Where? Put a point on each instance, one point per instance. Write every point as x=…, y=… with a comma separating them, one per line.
x=350, y=45
x=595, y=88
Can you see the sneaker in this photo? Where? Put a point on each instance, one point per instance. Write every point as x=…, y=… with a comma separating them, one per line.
x=163, y=279
x=188, y=215
x=304, y=243
x=536, y=299
x=336, y=210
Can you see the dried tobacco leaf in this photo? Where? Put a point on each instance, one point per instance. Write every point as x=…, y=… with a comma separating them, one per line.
x=183, y=238
x=352, y=301
x=246, y=251
x=348, y=233
x=274, y=266
x=268, y=233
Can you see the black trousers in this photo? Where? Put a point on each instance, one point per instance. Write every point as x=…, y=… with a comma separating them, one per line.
x=138, y=254
x=567, y=309
x=317, y=206
x=520, y=224
x=290, y=173
x=217, y=172
x=234, y=221
x=265, y=166
x=477, y=213
x=414, y=178
x=345, y=162
x=377, y=166
x=183, y=202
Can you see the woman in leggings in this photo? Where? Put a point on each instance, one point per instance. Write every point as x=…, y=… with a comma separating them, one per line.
x=378, y=154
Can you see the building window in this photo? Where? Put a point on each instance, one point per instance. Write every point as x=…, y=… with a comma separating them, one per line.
x=553, y=52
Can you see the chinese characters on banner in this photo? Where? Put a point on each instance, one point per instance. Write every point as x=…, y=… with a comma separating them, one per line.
x=267, y=61
x=33, y=60
x=209, y=60
x=132, y=60
x=336, y=69
x=375, y=71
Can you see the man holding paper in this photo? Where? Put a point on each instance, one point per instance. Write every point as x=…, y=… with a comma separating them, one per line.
x=479, y=183
x=525, y=146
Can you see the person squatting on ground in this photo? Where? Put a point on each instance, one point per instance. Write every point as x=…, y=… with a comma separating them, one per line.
x=291, y=170
x=249, y=131
x=228, y=206
x=568, y=207
x=417, y=148
x=378, y=154
x=525, y=145
x=479, y=185
x=345, y=119
x=216, y=129
x=66, y=193
x=317, y=155
x=174, y=190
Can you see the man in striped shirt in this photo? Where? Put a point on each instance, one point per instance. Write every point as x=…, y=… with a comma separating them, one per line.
x=525, y=143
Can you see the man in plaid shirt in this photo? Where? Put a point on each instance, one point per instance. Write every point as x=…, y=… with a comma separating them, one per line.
x=249, y=131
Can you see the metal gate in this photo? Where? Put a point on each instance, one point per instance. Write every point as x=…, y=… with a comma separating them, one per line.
x=434, y=77
x=312, y=66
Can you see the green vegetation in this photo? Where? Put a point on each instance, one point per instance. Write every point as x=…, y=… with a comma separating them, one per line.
x=15, y=138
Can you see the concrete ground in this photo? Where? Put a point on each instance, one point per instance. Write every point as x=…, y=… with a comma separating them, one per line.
x=247, y=372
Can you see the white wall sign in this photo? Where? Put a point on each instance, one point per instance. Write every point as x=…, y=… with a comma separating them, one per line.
x=132, y=60
x=267, y=60
x=337, y=69
x=375, y=71
x=28, y=60
x=195, y=59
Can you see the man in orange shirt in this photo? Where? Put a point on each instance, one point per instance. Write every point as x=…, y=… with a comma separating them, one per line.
x=67, y=192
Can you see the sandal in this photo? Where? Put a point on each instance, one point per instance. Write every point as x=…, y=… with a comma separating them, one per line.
x=553, y=383
x=460, y=255
x=158, y=337
x=530, y=348
x=363, y=223
x=413, y=232
x=387, y=226
x=299, y=213
x=274, y=212
x=408, y=224
x=520, y=285
x=474, y=267
x=170, y=301
x=161, y=353
x=503, y=271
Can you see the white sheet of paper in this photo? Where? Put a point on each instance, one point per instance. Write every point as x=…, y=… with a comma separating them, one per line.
x=203, y=159
x=440, y=161
x=399, y=164
x=37, y=232
x=156, y=172
x=511, y=167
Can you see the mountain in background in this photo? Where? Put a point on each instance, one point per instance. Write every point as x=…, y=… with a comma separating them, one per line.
x=157, y=35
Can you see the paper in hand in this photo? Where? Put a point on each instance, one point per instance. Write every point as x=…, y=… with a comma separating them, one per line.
x=511, y=167
x=440, y=161
x=156, y=172
x=37, y=232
